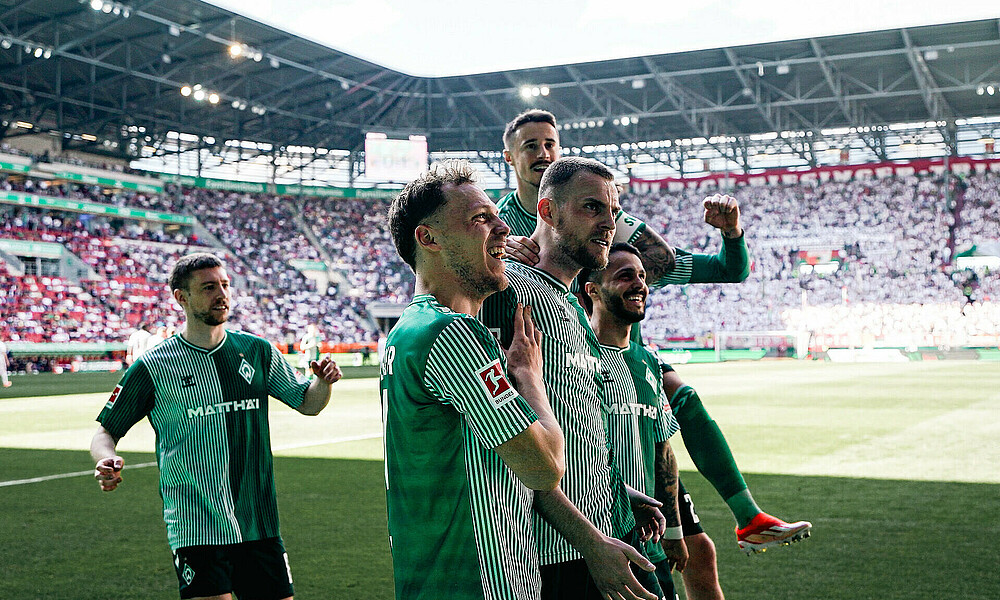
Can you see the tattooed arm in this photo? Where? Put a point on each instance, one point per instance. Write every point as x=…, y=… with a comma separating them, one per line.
x=657, y=255
x=667, y=479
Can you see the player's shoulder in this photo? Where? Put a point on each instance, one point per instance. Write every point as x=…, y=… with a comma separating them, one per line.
x=422, y=321
x=506, y=200
x=643, y=353
x=243, y=339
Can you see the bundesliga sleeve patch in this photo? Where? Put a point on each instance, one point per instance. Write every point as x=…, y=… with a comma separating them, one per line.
x=495, y=383
x=114, y=396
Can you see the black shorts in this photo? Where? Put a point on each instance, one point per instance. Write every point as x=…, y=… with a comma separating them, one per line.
x=571, y=580
x=255, y=570
x=690, y=522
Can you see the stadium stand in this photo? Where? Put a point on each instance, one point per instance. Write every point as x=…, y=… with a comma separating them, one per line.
x=886, y=245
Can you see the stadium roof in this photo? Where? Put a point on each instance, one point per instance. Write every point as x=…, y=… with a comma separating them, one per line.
x=106, y=71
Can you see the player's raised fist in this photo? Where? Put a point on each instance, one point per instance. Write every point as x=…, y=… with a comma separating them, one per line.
x=109, y=472
x=723, y=213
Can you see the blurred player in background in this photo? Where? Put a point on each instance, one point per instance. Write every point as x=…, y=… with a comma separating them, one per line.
x=205, y=393
x=136, y=344
x=309, y=348
x=3, y=365
x=464, y=443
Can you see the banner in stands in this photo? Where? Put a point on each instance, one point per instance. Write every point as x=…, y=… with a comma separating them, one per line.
x=95, y=208
x=292, y=190
x=6, y=166
x=105, y=181
x=934, y=166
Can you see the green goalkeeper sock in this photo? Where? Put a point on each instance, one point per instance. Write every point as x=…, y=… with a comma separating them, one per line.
x=711, y=454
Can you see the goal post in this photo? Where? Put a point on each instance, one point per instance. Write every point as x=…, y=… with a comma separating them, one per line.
x=774, y=343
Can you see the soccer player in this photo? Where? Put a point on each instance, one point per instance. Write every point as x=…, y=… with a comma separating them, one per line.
x=3, y=365
x=309, y=347
x=577, y=207
x=617, y=297
x=468, y=430
x=205, y=393
x=136, y=344
x=531, y=143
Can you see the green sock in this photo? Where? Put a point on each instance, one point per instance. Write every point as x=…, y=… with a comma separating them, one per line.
x=711, y=454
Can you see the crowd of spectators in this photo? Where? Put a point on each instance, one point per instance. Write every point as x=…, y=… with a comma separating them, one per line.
x=893, y=240
x=893, y=283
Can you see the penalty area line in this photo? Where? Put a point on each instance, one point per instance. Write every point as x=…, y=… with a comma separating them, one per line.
x=90, y=472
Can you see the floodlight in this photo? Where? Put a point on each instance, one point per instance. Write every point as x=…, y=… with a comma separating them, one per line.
x=186, y=91
x=213, y=98
x=107, y=7
x=990, y=90
x=39, y=51
x=526, y=92
x=96, y=4
x=235, y=50
x=544, y=90
x=199, y=95
x=626, y=121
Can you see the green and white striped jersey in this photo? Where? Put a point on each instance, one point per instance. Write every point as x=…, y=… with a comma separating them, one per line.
x=459, y=519
x=213, y=444
x=572, y=376
x=520, y=221
x=639, y=417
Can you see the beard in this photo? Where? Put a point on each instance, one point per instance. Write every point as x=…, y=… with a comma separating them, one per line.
x=616, y=306
x=210, y=319
x=479, y=282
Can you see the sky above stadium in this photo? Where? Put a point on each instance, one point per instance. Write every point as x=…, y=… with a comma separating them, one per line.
x=448, y=37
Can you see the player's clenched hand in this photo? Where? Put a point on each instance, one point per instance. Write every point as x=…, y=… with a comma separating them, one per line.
x=326, y=370
x=109, y=472
x=608, y=562
x=522, y=249
x=723, y=213
x=677, y=554
x=524, y=356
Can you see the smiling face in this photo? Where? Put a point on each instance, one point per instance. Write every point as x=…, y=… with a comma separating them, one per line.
x=207, y=298
x=622, y=288
x=472, y=239
x=583, y=218
x=535, y=146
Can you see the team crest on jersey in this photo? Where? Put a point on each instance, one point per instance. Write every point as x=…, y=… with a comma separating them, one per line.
x=188, y=574
x=246, y=371
x=495, y=383
x=650, y=379
x=114, y=396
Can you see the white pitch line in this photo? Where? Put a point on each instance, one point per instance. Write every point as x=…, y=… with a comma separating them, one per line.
x=64, y=475
x=353, y=438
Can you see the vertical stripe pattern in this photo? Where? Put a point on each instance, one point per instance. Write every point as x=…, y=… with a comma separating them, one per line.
x=208, y=408
x=572, y=375
x=459, y=519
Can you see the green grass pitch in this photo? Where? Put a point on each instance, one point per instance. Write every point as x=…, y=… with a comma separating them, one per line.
x=895, y=465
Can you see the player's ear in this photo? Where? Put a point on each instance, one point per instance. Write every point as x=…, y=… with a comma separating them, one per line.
x=507, y=158
x=590, y=288
x=425, y=237
x=545, y=210
x=180, y=297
